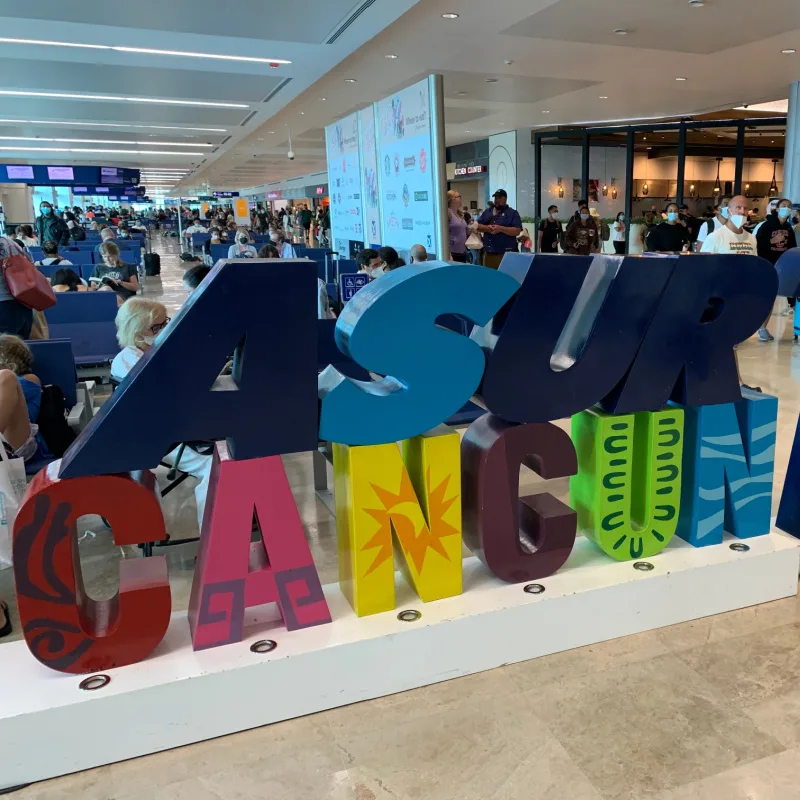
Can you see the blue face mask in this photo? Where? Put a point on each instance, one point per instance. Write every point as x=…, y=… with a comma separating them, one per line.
x=724, y=212
x=672, y=216
x=45, y=210
x=784, y=213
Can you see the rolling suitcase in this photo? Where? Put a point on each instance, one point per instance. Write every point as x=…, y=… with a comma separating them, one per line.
x=152, y=264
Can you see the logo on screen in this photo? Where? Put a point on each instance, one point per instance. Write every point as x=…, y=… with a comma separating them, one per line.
x=396, y=163
x=409, y=162
x=420, y=197
x=423, y=160
x=406, y=194
x=408, y=224
x=387, y=166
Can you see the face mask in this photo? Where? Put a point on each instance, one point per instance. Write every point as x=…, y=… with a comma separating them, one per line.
x=46, y=210
x=584, y=216
x=621, y=218
x=738, y=219
x=724, y=212
x=242, y=240
x=554, y=214
x=784, y=213
x=672, y=216
x=149, y=340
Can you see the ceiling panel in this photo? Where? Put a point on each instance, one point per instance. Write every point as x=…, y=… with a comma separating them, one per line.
x=249, y=19
x=460, y=114
x=660, y=24
x=115, y=134
x=142, y=81
x=508, y=88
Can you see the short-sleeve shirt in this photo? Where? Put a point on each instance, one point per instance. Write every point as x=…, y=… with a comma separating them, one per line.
x=500, y=242
x=667, y=238
x=124, y=272
x=551, y=233
x=724, y=240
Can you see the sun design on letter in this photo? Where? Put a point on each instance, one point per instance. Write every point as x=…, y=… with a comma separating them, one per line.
x=402, y=511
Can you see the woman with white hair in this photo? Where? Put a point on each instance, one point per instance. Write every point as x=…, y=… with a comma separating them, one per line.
x=139, y=322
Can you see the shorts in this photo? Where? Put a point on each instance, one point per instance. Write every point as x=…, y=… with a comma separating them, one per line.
x=28, y=450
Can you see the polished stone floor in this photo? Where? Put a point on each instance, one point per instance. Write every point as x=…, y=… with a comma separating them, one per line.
x=708, y=710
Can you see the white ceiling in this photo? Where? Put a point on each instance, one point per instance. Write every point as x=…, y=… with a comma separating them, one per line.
x=567, y=67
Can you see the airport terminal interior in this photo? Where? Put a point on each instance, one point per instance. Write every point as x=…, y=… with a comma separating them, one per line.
x=537, y=535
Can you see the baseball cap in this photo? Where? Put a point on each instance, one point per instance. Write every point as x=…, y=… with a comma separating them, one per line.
x=500, y=193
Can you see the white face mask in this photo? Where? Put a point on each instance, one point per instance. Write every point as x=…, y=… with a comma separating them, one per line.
x=784, y=212
x=584, y=216
x=149, y=341
x=738, y=219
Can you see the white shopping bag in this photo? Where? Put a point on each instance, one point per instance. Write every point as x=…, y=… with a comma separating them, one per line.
x=12, y=488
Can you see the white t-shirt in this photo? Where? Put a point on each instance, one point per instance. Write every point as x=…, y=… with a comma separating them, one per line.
x=124, y=362
x=46, y=262
x=701, y=237
x=724, y=240
x=195, y=229
x=618, y=235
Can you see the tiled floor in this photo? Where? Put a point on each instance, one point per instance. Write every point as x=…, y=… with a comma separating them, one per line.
x=708, y=710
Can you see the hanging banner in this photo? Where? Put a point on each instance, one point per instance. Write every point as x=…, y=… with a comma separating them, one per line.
x=241, y=212
x=344, y=185
x=369, y=178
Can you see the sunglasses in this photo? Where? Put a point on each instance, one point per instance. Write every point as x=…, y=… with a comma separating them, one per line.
x=157, y=328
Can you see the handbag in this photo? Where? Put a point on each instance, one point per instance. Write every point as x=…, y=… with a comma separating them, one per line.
x=474, y=241
x=12, y=488
x=27, y=285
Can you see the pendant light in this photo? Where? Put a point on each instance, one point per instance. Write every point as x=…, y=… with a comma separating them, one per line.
x=605, y=174
x=773, y=187
x=613, y=189
x=560, y=187
x=645, y=188
x=717, y=184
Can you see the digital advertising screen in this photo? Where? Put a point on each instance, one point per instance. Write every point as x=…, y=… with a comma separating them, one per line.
x=60, y=174
x=111, y=175
x=18, y=172
x=408, y=201
x=344, y=186
x=370, y=190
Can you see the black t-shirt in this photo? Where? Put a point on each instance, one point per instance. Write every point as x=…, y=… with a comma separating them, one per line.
x=692, y=226
x=551, y=233
x=666, y=237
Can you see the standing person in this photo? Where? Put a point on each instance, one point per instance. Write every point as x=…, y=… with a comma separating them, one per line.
x=772, y=207
x=691, y=222
x=720, y=220
x=670, y=236
x=618, y=234
x=775, y=236
x=549, y=234
x=14, y=317
x=306, y=216
x=500, y=227
x=457, y=227
x=76, y=231
x=644, y=231
x=49, y=226
x=582, y=237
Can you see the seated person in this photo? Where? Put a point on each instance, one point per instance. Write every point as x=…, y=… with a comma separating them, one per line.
x=194, y=276
x=106, y=235
x=418, y=254
x=242, y=248
x=67, y=280
x=51, y=257
x=20, y=400
x=114, y=275
x=123, y=232
x=26, y=235
x=285, y=247
x=139, y=321
x=269, y=251
x=369, y=263
x=195, y=227
x=389, y=258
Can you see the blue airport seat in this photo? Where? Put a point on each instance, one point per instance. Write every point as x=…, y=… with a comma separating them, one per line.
x=87, y=319
x=48, y=270
x=347, y=266
x=53, y=363
x=86, y=271
x=200, y=239
x=219, y=251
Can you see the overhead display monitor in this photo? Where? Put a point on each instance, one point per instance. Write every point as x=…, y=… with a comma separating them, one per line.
x=110, y=175
x=405, y=146
x=370, y=191
x=225, y=194
x=60, y=174
x=19, y=172
x=344, y=186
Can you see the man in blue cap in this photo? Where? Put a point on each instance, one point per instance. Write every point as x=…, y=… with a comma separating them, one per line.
x=500, y=227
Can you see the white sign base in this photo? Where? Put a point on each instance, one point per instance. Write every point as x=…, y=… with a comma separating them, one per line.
x=177, y=696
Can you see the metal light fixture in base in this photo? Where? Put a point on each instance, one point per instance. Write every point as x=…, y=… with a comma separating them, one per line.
x=560, y=187
x=645, y=189
x=717, y=184
x=773, y=187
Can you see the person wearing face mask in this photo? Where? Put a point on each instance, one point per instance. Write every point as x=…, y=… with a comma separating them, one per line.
x=285, y=247
x=670, y=236
x=369, y=262
x=50, y=227
x=774, y=236
x=772, y=207
x=582, y=237
x=549, y=233
x=500, y=227
x=242, y=248
x=691, y=222
x=618, y=234
x=714, y=224
x=139, y=322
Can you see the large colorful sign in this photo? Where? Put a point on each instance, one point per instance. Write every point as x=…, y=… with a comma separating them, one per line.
x=370, y=188
x=664, y=442
x=344, y=186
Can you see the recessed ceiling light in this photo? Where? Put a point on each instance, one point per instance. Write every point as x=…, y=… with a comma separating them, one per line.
x=302, y=112
x=120, y=98
x=697, y=3
x=349, y=80
x=260, y=138
x=467, y=131
x=323, y=98
x=644, y=138
x=99, y=150
x=391, y=56
x=491, y=80
x=100, y=141
x=508, y=62
x=603, y=97
x=270, y=131
x=450, y=16
x=681, y=79
x=789, y=51
x=147, y=51
x=545, y=111
x=621, y=31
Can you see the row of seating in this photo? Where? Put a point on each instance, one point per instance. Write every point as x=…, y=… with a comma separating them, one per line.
x=130, y=255
x=87, y=320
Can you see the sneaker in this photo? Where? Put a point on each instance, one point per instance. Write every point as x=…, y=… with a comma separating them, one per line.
x=751, y=388
x=764, y=335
